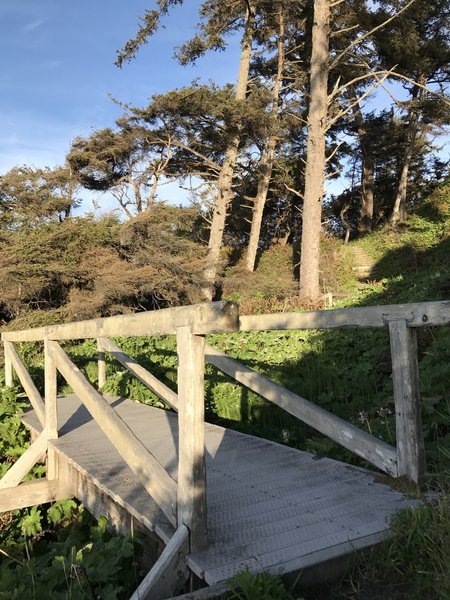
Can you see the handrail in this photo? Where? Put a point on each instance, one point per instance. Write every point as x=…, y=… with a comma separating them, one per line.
x=419, y=314
x=31, y=390
x=149, y=380
x=152, y=474
x=402, y=320
x=349, y=436
x=212, y=317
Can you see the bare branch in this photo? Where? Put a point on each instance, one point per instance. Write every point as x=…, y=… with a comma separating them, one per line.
x=212, y=165
x=336, y=148
x=338, y=90
x=346, y=110
x=293, y=191
x=344, y=30
x=337, y=172
x=422, y=87
x=364, y=36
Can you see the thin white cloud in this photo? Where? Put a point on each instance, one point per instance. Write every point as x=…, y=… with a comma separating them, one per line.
x=33, y=25
x=53, y=64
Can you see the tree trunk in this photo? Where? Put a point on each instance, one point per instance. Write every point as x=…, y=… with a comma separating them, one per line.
x=399, y=210
x=367, y=174
x=267, y=159
x=345, y=223
x=315, y=160
x=225, y=180
x=367, y=203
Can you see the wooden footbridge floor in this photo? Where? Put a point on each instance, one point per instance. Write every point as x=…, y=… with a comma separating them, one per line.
x=270, y=507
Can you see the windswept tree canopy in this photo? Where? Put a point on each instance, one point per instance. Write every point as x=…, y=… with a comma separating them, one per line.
x=29, y=195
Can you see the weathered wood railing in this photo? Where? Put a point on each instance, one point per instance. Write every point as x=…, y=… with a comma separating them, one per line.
x=402, y=320
x=183, y=502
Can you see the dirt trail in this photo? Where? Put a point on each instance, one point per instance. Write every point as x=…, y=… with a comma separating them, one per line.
x=365, y=265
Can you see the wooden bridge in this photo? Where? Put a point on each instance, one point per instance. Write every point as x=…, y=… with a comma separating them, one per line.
x=214, y=501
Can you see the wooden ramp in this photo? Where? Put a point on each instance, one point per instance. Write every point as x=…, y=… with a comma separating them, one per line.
x=270, y=507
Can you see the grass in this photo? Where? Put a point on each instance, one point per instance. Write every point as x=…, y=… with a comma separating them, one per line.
x=413, y=565
x=347, y=372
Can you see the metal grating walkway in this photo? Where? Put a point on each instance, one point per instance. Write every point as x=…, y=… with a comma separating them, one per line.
x=270, y=507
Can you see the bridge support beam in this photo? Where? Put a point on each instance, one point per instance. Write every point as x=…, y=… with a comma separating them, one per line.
x=405, y=376
x=191, y=439
x=169, y=573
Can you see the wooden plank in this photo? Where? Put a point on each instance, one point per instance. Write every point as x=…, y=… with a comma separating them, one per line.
x=288, y=547
x=170, y=573
x=149, y=380
x=103, y=494
x=405, y=377
x=8, y=364
x=277, y=524
x=51, y=413
x=12, y=359
x=213, y=317
x=101, y=365
x=359, y=442
x=153, y=476
x=30, y=493
x=417, y=314
x=22, y=466
x=257, y=501
x=309, y=509
x=191, y=436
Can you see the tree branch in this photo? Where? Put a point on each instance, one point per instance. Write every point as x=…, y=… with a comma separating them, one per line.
x=364, y=36
x=357, y=100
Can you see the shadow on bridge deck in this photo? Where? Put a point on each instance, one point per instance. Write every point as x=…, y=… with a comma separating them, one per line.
x=270, y=507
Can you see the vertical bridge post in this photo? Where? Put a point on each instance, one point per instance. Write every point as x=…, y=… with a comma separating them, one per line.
x=405, y=376
x=191, y=432
x=101, y=365
x=8, y=365
x=51, y=415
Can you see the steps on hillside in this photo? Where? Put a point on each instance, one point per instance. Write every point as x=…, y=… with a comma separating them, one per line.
x=365, y=265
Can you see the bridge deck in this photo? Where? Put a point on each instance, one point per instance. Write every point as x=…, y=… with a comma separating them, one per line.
x=270, y=507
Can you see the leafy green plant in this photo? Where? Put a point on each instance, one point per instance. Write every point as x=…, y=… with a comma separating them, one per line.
x=258, y=586
x=78, y=561
x=14, y=437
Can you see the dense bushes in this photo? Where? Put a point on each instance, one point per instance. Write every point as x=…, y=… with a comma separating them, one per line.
x=83, y=267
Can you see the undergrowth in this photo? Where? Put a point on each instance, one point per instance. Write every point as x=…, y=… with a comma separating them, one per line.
x=413, y=565
x=57, y=550
x=347, y=372
x=259, y=586
x=62, y=553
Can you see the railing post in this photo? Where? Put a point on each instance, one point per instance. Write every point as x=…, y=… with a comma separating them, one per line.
x=405, y=376
x=191, y=442
x=8, y=365
x=101, y=365
x=51, y=415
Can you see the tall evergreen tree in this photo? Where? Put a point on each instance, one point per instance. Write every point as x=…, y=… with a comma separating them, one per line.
x=417, y=46
x=315, y=158
x=278, y=35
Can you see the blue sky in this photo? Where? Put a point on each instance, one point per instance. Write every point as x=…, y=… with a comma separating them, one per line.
x=57, y=69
